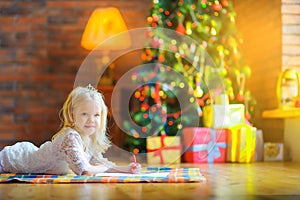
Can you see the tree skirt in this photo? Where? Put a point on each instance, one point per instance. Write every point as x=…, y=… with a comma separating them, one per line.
x=148, y=175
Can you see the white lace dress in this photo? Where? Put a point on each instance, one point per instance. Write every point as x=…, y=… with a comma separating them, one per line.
x=64, y=154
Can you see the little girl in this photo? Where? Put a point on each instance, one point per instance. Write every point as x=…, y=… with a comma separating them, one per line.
x=77, y=146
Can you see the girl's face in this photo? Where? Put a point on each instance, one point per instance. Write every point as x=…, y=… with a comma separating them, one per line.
x=86, y=116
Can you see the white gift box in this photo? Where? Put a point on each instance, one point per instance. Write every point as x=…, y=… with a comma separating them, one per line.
x=223, y=116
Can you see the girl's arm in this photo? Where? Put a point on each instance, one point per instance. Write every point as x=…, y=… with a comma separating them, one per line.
x=99, y=160
x=71, y=150
x=133, y=168
x=94, y=169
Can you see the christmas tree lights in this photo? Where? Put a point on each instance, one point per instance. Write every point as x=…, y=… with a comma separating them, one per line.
x=211, y=23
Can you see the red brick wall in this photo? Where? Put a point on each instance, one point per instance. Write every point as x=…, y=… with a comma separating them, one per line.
x=40, y=54
x=290, y=34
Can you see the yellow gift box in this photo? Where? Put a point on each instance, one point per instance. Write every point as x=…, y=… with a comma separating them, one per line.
x=163, y=149
x=241, y=144
x=223, y=116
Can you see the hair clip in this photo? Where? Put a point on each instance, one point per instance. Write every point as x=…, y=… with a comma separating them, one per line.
x=90, y=87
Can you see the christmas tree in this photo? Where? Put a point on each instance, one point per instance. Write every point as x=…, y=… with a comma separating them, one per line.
x=211, y=23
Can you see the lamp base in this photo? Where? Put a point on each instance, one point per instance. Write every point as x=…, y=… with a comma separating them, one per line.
x=107, y=77
x=105, y=81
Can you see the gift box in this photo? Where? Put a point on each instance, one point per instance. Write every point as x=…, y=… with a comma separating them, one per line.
x=273, y=151
x=259, y=148
x=204, y=145
x=223, y=116
x=241, y=143
x=163, y=149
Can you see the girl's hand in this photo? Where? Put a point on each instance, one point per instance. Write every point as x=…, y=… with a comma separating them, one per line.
x=135, y=168
x=86, y=173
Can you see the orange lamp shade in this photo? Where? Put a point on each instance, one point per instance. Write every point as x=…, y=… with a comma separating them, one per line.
x=103, y=27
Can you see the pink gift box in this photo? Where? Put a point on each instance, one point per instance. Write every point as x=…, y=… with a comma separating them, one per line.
x=205, y=145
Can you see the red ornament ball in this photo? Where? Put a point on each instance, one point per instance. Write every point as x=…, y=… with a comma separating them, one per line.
x=217, y=7
x=181, y=29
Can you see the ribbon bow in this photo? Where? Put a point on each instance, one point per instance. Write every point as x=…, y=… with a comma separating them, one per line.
x=158, y=152
x=212, y=148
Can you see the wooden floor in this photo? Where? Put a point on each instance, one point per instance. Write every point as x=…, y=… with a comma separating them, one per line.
x=224, y=181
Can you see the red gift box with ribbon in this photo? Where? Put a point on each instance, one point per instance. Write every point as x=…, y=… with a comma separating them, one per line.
x=205, y=145
x=163, y=149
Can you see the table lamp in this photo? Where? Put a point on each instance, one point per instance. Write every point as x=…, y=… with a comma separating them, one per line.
x=288, y=88
x=102, y=33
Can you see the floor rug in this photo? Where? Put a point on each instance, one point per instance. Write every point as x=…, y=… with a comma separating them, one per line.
x=153, y=174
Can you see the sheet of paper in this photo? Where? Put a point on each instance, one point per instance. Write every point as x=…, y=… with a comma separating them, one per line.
x=152, y=175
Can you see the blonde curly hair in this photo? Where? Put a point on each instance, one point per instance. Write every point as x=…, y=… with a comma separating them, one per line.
x=98, y=142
